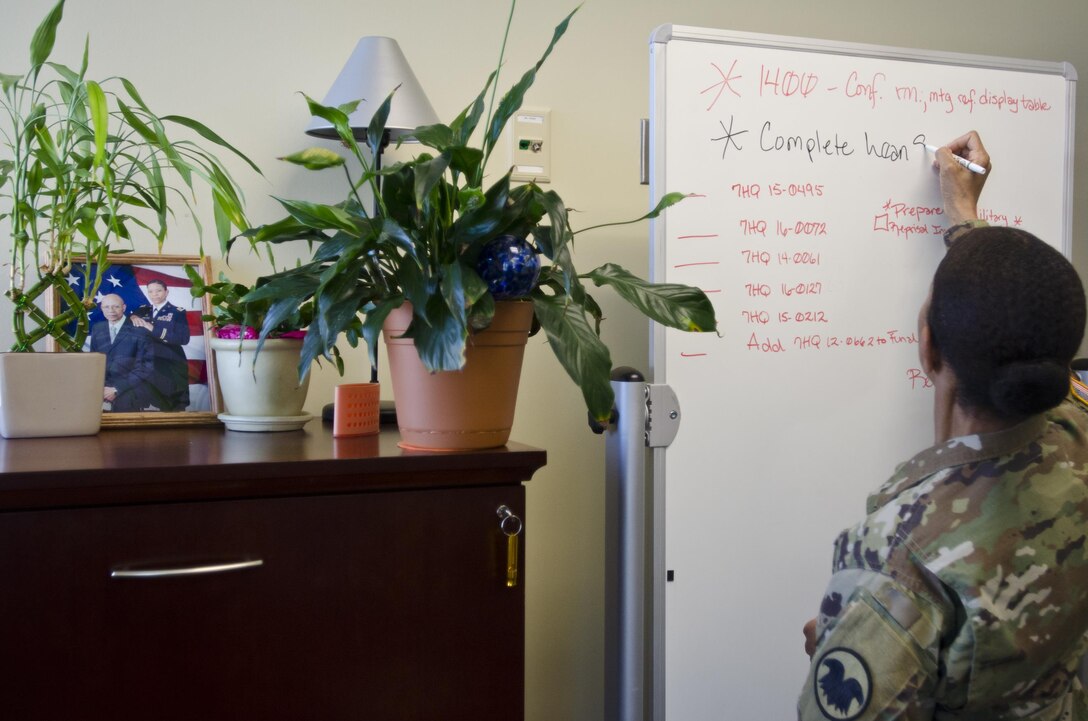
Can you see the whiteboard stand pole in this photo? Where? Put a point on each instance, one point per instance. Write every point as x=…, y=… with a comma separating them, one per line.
x=644, y=416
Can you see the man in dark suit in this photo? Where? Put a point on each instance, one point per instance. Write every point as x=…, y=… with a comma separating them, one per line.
x=129, y=358
x=169, y=329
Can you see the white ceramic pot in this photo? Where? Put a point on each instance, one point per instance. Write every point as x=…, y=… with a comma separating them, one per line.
x=51, y=394
x=260, y=391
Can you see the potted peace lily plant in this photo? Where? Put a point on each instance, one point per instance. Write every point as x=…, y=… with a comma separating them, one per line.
x=262, y=391
x=85, y=166
x=443, y=258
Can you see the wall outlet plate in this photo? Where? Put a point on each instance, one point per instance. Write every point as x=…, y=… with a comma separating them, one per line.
x=530, y=145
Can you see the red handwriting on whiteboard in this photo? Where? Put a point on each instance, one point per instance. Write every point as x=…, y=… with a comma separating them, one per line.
x=802, y=316
x=815, y=341
x=754, y=191
x=868, y=89
x=753, y=227
x=765, y=344
x=786, y=83
x=801, y=257
x=725, y=82
x=794, y=190
x=760, y=317
x=801, y=227
x=756, y=256
x=884, y=223
x=900, y=209
x=918, y=379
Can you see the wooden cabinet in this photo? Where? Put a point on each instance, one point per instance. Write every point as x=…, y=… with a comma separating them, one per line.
x=352, y=579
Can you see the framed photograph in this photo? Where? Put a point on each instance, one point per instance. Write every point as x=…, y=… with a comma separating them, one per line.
x=159, y=367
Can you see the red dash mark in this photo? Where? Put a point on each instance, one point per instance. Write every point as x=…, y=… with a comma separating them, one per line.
x=691, y=355
x=708, y=235
x=685, y=265
x=695, y=195
x=715, y=290
x=723, y=83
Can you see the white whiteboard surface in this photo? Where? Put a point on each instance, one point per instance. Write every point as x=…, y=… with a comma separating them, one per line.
x=815, y=228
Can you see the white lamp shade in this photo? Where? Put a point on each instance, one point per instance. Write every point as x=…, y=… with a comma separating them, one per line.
x=375, y=68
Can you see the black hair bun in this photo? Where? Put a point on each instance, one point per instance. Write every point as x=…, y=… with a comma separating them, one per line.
x=1026, y=388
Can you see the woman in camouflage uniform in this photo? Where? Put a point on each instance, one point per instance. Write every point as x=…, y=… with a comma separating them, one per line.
x=964, y=592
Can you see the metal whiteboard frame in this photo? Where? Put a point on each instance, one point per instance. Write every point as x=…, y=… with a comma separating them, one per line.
x=659, y=40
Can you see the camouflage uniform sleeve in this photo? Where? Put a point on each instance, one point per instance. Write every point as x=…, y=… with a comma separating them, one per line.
x=877, y=653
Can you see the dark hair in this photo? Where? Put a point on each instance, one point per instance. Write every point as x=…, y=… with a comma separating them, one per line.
x=1007, y=313
x=159, y=282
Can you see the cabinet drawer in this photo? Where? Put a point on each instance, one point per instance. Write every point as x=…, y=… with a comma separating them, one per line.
x=387, y=605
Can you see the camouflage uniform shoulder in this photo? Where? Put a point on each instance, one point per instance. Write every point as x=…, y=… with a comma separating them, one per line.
x=1005, y=532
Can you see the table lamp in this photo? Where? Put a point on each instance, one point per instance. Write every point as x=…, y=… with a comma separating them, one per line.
x=375, y=68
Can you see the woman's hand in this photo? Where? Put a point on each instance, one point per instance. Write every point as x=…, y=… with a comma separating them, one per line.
x=960, y=187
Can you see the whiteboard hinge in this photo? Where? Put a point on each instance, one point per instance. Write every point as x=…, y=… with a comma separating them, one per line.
x=662, y=415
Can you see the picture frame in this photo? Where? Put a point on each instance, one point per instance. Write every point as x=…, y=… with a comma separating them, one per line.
x=171, y=382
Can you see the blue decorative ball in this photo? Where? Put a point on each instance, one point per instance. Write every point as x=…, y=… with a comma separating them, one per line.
x=510, y=267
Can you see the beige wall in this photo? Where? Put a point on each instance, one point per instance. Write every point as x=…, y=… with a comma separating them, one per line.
x=237, y=64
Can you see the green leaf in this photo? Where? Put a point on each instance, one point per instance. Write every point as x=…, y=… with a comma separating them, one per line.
x=559, y=235
x=281, y=231
x=438, y=137
x=466, y=160
x=280, y=312
x=338, y=300
x=441, y=341
x=514, y=97
x=673, y=305
x=427, y=175
x=315, y=158
x=465, y=124
x=100, y=117
x=338, y=117
x=372, y=325
x=318, y=216
x=70, y=77
x=667, y=201
x=579, y=349
x=7, y=82
x=135, y=95
x=300, y=282
x=136, y=123
x=208, y=134
x=222, y=226
x=86, y=56
x=452, y=289
x=485, y=220
x=375, y=132
x=41, y=45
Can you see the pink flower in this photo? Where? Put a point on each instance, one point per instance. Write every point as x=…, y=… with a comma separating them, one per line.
x=235, y=331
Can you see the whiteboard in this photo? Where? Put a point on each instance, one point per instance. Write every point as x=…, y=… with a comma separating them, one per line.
x=814, y=225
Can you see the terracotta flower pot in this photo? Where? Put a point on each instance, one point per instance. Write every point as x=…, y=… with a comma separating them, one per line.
x=465, y=409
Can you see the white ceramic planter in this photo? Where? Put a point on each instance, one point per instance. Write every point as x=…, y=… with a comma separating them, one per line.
x=265, y=396
x=51, y=394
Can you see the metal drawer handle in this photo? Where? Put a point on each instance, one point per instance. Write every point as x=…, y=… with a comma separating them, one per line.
x=201, y=570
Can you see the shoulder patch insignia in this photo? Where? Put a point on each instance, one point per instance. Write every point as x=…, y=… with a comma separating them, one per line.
x=843, y=684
